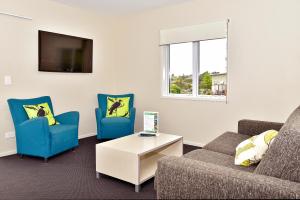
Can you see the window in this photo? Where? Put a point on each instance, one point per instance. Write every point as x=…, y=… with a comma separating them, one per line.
x=196, y=69
x=194, y=61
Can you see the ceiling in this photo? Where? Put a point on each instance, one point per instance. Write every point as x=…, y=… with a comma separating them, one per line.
x=118, y=7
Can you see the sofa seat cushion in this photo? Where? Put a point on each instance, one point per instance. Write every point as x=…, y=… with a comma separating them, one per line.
x=283, y=157
x=217, y=159
x=226, y=143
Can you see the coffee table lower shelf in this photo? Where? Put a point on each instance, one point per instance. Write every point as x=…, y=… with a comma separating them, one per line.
x=135, y=168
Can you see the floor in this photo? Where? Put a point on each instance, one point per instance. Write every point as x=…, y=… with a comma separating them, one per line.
x=70, y=175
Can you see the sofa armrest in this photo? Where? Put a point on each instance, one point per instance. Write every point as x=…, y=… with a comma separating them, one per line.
x=68, y=118
x=255, y=127
x=183, y=178
x=33, y=133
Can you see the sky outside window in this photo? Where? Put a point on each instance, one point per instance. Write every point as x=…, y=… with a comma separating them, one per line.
x=213, y=67
x=181, y=59
x=213, y=55
x=181, y=68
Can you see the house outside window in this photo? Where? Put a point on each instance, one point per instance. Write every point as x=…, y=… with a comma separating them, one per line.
x=213, y=67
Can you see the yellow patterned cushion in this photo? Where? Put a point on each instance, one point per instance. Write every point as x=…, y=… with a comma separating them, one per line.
x=252, y=150
x=117, y=107
x=40, y=110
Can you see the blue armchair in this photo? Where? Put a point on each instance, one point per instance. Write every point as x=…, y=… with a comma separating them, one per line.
x=111, y=128
x=35, y=137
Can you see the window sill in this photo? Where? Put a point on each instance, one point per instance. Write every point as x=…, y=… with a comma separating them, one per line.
x=198, y=98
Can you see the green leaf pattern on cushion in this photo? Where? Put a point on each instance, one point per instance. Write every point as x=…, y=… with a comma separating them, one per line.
x=269, y=136
x=244, y=148
x=118, y=107
x=252, y=150
x=40, y=110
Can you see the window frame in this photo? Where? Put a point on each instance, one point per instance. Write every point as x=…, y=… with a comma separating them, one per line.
x=165, y=54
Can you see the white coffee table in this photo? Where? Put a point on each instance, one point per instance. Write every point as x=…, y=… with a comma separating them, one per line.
x=133, y=158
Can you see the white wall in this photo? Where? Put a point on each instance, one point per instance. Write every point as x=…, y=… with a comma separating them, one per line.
x=264, y=64
x=19, y=58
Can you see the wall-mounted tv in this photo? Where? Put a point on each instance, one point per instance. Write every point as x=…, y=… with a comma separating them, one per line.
x=64, y=53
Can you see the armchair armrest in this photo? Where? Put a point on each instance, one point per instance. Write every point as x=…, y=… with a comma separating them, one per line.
x=99, y=115
x=255, y=127
x=183, y=178
x=34, y=133
x=132, y=112
x=132, y=118
x=68, y=118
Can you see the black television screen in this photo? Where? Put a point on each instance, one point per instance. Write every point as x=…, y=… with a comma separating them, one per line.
x=63, y=53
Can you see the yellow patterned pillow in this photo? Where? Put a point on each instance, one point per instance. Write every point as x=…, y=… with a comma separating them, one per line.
x=118, y=107
x=252, y=150
x=40, y=110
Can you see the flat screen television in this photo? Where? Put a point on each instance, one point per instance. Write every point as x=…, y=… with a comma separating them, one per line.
x=64, y=53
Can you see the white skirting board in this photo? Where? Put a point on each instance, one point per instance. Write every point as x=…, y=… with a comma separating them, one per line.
x=8, y=153
x=14, y=151
x=86, y=135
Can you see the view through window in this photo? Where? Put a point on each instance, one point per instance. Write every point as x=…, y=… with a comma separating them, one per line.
x=181, y=68
x=200, y=66
x=213, y=67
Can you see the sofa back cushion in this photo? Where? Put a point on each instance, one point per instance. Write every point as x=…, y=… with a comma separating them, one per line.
x=283, y=157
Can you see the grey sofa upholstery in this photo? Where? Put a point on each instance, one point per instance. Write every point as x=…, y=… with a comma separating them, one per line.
x=210, y=173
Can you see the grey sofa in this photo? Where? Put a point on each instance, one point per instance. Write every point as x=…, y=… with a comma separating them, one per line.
x=210, y=173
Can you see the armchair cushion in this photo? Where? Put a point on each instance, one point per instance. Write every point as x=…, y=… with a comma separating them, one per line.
x=102, y=100
x=40, y=110
x=17, y=111
x=115, y=127
x=118, y=107
x=116, y=121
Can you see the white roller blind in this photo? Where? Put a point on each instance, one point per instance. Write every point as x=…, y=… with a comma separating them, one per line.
x=194, y=33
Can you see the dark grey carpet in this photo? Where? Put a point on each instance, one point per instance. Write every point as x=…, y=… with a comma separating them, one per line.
x=70, y=175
